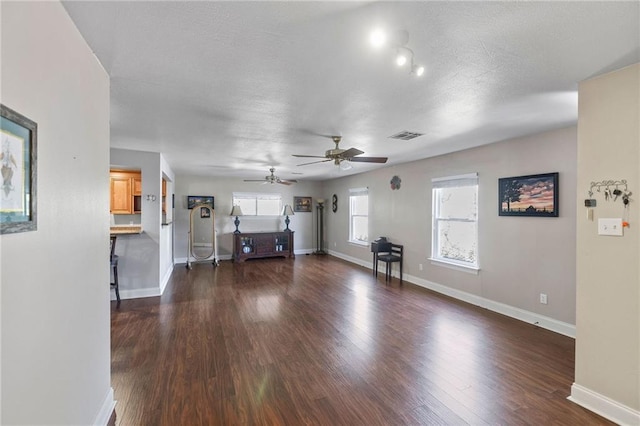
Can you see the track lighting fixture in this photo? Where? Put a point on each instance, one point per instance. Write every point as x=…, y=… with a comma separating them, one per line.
x=401, y=59
x=398, y=41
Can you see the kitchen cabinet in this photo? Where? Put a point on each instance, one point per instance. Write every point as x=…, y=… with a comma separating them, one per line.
x=137, y=185
x=126, y=192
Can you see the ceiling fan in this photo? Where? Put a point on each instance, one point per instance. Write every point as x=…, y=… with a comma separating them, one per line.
x=272, y=178
x=338, y=155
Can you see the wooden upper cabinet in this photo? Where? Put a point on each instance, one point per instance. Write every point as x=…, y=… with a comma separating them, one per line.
x=126, y=191
x=121, y=199
x=137, y=185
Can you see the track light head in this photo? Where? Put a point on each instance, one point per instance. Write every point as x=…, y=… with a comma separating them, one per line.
x=378, y=38
x=401, y=59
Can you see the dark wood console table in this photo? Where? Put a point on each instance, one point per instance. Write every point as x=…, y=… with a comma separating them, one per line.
x=262, y=244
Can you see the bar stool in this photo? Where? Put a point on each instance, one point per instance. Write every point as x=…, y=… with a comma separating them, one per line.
x=113, y=258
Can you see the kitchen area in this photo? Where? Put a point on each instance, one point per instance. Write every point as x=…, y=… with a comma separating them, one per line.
x=141, y=186
x=126, y=201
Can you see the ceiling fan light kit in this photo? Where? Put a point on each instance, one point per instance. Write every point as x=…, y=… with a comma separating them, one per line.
x=345, y=165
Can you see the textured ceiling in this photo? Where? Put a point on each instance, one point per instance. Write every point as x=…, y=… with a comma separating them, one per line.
x=232, y=88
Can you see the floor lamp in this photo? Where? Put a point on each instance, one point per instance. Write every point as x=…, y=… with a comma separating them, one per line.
x=320, y=227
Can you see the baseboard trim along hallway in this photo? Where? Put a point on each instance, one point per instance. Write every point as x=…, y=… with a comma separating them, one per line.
x=604, y=406
x=542, y=321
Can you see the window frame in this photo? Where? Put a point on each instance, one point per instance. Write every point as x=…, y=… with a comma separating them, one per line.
x=470, y=179
x=357, y=192
x=256, y=196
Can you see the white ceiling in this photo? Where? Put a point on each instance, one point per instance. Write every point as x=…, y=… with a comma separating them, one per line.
x=232, y=88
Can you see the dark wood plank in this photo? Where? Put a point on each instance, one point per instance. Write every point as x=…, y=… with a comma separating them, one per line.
x=320, y=341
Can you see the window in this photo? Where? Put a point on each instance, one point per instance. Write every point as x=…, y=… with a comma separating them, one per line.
x=359, y=216
x=455, y=220
x=258, y=204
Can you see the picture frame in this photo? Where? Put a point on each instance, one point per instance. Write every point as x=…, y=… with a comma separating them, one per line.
x=205, y=212
x=302, y=204
x=18, y=167
x=193, y=200
x=530, y=195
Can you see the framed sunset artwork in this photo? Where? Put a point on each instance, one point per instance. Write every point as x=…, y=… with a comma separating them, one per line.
x=531, y=195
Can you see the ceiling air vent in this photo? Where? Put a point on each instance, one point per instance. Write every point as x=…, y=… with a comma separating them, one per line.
x=406, y=136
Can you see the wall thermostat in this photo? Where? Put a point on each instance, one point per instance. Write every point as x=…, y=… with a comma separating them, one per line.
x=590, y=203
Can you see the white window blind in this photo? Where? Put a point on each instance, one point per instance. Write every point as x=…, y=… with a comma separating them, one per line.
x=359, y=215
x=258, y=204
x=455, y=220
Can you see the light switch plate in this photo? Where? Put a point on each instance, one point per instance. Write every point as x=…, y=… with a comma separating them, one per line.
x=610, y=226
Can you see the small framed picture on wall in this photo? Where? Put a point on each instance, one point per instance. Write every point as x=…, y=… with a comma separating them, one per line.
x=302, y=204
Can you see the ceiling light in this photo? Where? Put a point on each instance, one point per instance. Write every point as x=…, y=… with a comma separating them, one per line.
x=398, y=41
x=378, y=38
x=345, y=165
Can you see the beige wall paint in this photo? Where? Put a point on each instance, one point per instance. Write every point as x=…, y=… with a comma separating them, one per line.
x=608, y=271
x=520, y=257
x=54, y=281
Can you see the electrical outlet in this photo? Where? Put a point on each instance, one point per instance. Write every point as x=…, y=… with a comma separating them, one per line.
x=543, y=298
x=420, y=266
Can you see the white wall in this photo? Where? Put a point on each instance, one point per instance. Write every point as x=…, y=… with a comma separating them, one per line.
x=222, y=189
x=140, y=270
x=608, y=271
x=520, y=257
x=166, y=229
x=54, y=281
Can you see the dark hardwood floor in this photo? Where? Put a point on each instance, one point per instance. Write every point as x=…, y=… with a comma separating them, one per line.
x=317, y=340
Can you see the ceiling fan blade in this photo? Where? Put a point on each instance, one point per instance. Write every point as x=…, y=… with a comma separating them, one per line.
x=288, y=180
x=368, y=159
x=308, y=156
x=283, y=182
x=314, y=162
x=313, y=133
x=254, y=180
x=351, y=152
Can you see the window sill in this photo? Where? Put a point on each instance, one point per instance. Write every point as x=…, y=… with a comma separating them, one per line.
x=360, y=243
x=456, y=266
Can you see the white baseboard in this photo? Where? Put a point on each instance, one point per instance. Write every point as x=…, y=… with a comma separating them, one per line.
x=542, y=321
x=137, y=293
x=183, y=260
x=165, y=280
x=606, y=407
x=103, y=416
x=303, y=251
x=352, y=259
